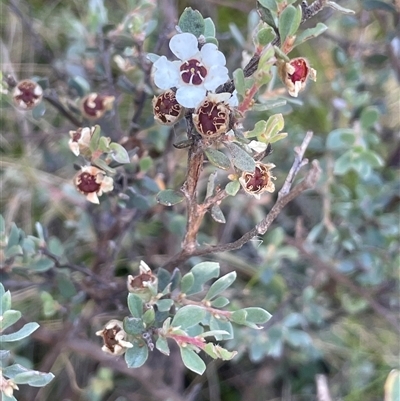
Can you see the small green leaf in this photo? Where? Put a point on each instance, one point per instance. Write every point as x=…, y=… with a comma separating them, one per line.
x=267, y=14
x=149, y=316
x=256, y=315
x=162, y=345
x=220, y=302
x=265, y=36
x=80, y=84
x=209, y=27
x=5, y=356
x=239, y=317
x=13, y=251
x=232, y=188
x=39, y=111
x=192, y=21
x=133, y=325
x=192, y=361
x=217, y=215
x=344, y=163
x=33, y=378
x=369, y=117
x=94, y=140
x=100, y=163
x=289, y=22
x=238, y=79
x=119, y=153
x=202, y=272
x=216, y=351
x=5, y=304
x=217, y=158
x=145, y=163
x=135, y=305
x=220, y=285
x=188, y=316
x=169, y=197
x=136, y=356
x=310, y=33
x=337, y=7
x=278, y=137
x=340, y=139
x=211, y=184
x=42, y=264
x=22, y=333
x=9, y=318
x=187, y=282
x=221, y=324
x=164, y=305
x=240, y=158
x=14, y=236
x=268, y=4
x=104, y=144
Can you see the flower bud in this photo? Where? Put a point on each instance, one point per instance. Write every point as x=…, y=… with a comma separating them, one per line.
x=213, y=117
x=114, y=338
x=166, y=109
x=92, y=182
x=145, y=284
x=80, y=140
x=27, y=94
x=295, y=74
x=94, y=106
x=259, y=181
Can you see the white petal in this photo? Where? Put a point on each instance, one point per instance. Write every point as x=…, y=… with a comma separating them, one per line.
x=166, y=73
x=257, y=146
x=190, y=96
x=210, y=55
x=234, y=101
x=184, y=45
x=92, y=197
x=217, y=75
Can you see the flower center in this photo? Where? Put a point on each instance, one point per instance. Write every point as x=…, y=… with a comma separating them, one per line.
x=109, y=338
x=167, y=105
x=88, y=183
x=301, y=71
x=77, y=135
x=193, y=72
x=93, y=105
x=257, y=180
x=212, y=119
x=28, y=95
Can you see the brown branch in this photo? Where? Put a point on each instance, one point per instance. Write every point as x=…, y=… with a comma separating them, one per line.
x=285, y=195
x=51, y=96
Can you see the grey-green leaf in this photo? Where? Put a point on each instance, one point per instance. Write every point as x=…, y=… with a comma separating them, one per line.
x=202, y=272
x=169, y=197
x=119, y=153
x=9, y=318
x=220, y=285
x=137, y=355
x=192, y=21
x=240, y=158
x=33, y=378
x=218, y=158
x=135, y=305
x=288, y=22
x=192, y=361
x=162, y=345
x=217, y=215
x=232, y=188
x=25, y=331
x=188, y=316
x=310, y=33
x=133, y=325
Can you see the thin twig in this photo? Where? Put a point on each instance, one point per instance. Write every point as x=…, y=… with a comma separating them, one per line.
x=284, y=197
x=51, y=96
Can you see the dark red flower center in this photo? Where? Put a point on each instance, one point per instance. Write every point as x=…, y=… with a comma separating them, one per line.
x=77, y=135
x=167, y=105
x=193, y=72
x=88, y=183
x=109, y=337
x=256, y=181
x=93, y=105
x=300, y=72
x=212, y=118
x=28, y=95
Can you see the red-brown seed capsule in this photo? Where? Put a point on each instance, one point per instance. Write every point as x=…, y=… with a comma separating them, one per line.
x=94, y=106
x=166, y=109
x=259, y=181
x=27, y=94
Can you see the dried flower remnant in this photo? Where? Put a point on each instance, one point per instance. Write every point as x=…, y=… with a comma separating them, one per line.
x=94, y=106
x=93, y=182
x=80, y=140
x=144, y=284
x=213, y=117
x=27, y=94
x=295, y=74
x=259, y=181
x=166, y=109
x=197, y=72
x=7, y=386
x=114, y=338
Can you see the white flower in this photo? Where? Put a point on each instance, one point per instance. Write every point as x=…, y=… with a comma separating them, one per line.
x=197, y=72
x=80, y=139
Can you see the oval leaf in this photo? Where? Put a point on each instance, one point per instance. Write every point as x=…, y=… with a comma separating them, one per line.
x=33, y=378
x=135, y=305
x=25, y=331
x=220, y=285
x=192, y=361
x=217, y=158
x=137, y=355
x=240, y=158
x=192, y=21
x=169, y=197
x=188, y=316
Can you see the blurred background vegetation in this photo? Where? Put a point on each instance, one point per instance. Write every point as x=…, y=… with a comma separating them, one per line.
x=328, y=268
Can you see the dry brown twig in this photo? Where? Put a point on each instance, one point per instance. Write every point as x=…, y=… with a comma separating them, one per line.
x=196, y=212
